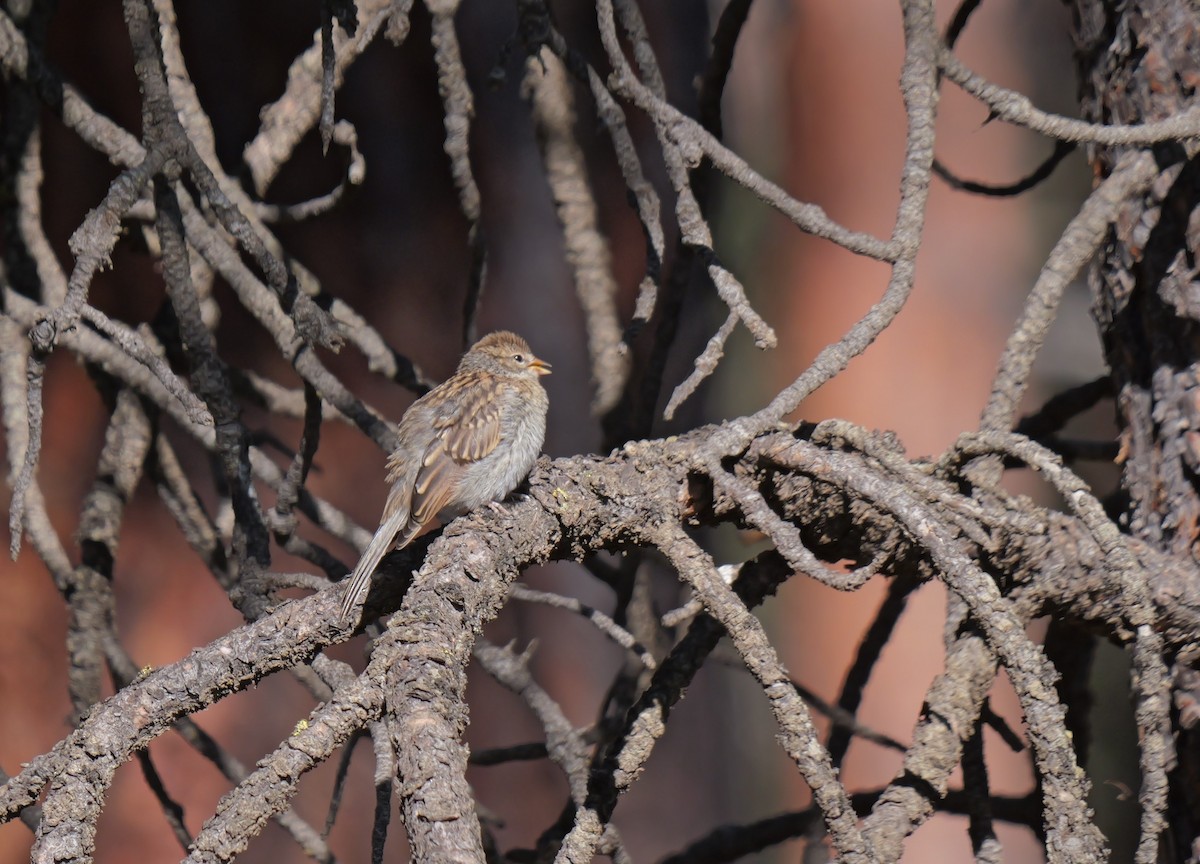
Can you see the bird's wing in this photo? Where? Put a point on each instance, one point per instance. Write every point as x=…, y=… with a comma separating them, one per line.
x=462, y=437
x=465, y=432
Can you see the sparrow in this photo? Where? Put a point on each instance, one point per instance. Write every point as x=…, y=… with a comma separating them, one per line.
x=467, y=442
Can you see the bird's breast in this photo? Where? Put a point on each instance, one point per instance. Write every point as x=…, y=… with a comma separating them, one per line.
x=501, y=471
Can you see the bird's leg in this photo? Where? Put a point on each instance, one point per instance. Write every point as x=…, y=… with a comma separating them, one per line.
x=513, y=497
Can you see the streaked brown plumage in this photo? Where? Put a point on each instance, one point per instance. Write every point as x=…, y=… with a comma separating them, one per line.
x=468, y=441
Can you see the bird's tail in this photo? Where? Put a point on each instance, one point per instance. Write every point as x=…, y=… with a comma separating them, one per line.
x=376, y=549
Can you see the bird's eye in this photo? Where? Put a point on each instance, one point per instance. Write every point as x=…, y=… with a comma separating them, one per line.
x=520, y=358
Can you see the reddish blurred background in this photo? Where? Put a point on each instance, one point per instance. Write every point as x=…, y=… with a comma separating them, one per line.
x=813, y=103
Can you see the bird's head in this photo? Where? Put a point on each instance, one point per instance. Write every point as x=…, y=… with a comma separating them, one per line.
x=504, y=353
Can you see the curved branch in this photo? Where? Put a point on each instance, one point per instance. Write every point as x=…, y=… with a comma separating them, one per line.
x=1012, y=107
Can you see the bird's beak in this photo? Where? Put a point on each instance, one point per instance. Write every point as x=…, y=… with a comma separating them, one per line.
x=539, y=366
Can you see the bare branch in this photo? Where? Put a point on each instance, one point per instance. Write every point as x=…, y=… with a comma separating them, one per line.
x=1074, y=249
x=1014, y=108
x=587, y=249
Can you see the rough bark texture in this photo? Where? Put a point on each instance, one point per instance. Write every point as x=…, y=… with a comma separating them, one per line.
x=1140, y=62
